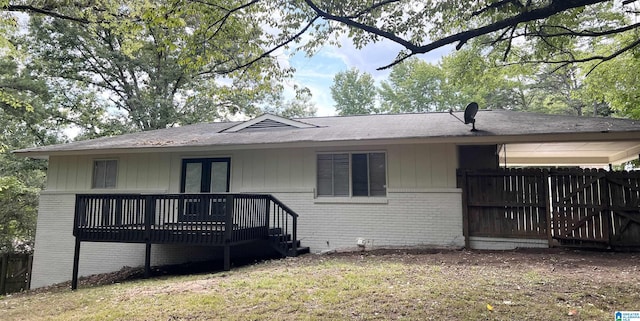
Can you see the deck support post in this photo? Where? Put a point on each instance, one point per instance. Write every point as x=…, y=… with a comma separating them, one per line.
x=147, y=260
x=227, y=257
x=228, y=231
x=76, y=263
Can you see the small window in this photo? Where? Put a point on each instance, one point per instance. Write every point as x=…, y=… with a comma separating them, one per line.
x=368, y=174
x=356, y=174
x=105, y=173
x=333, y=175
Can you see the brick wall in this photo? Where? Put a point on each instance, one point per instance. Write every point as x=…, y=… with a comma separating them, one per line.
x=54, y=246
x=401, y=219
x=431, y=218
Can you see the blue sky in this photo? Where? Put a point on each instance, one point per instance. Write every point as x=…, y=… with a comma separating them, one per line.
x=317, y=72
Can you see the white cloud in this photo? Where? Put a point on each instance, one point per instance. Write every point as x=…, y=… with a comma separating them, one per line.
x=317, y=72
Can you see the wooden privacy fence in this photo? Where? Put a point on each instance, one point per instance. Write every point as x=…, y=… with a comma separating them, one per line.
x=506, y=203
x=15, y=272
x=576, y=207
x=596, y=208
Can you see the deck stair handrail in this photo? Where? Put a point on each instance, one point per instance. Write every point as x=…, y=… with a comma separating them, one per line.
x=283, y=228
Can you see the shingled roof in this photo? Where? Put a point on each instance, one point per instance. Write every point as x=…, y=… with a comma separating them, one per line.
x=493, y=127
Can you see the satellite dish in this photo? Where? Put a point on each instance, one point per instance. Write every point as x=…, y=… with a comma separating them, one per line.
x=470, y=115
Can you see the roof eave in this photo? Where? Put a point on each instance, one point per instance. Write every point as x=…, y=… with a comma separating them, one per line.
x=460, y=140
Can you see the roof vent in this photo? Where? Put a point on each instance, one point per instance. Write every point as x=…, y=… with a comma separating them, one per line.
x=267, y=122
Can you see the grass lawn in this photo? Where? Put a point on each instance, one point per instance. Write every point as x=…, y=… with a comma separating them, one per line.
x=378, y=285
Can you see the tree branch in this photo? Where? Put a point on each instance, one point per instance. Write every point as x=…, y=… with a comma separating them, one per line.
x=373, y=30
x=583, y=33
x=220, y=22
x=554, y=7
x=270, y=51
x=371, y=8
x=43, y=11
x=609, y=57
x=566, y=62
x=497, y=5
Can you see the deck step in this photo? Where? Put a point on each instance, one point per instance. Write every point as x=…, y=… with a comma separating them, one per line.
x=280, y=238
x=283, y=243
x=300, y=251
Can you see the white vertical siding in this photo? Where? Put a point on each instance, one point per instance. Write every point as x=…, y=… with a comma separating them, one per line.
x=273, y=170
x=69, y=173
x=144, y=171
x=422, y=166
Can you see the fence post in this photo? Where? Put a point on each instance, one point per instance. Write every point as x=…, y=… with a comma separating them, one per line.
x=547, y=204
x=29, y=269
x=605, y=194
x=3, y=273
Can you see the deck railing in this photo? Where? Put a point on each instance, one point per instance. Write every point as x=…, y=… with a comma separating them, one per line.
x=205, y=219
x=211, y=219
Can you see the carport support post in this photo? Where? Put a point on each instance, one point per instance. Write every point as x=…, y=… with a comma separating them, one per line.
x=465, y=211
x=76, y=263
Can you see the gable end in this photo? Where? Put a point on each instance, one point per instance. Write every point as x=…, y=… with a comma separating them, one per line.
x=267, y=122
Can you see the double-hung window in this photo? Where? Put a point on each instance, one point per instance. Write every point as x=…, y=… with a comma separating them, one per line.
x=105, y=173
x=352, y=174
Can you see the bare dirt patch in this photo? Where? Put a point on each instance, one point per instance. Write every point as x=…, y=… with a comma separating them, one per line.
x=589, y=264
x=383, y=284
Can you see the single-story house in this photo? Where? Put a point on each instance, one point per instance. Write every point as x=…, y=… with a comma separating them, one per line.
x=353, y=181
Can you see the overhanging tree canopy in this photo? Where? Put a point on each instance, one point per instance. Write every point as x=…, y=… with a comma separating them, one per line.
x=547, y=24
x=419, y=27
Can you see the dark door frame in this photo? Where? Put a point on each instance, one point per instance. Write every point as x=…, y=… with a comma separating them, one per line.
x=205, y=182
x=203, y=209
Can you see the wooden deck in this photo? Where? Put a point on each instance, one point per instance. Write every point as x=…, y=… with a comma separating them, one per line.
x=221, y=220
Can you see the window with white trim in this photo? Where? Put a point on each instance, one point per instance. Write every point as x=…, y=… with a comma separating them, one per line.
x=105, y=173
x=352, y=174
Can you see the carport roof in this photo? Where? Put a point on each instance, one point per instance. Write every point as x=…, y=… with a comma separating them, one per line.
x=268, y=131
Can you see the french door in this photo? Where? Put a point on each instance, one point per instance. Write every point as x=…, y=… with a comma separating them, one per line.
x=203, y=176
